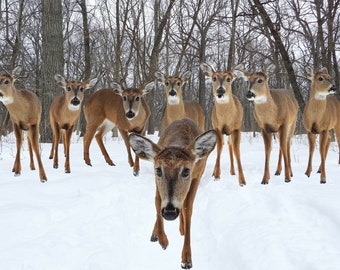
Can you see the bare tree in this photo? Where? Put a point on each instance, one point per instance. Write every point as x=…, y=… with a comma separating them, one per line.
x=52, y=59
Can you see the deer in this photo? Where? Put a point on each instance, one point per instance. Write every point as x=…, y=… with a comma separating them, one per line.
x=179, y=160
x=64, y=113
x=24, y=108
x=226, y=118
x=275, y=111
x=121, y=107
x=176, y=108
x=321, y=114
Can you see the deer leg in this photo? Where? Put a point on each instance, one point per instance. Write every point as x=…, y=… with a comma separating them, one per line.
x=56, y=136
x=182, y=223
x=30, y=149
x=337, y=134
x=67, y=141
x=267, y=139
x=283, y=146
x=90, y=131
x=125, y=136
x=279, y=164
x=63, y=136
x=311, y=142
x=187, y=209
x=34, y=137
x=158, y=233
x=219, y=146
x=19, y=139
x=326, y=150
x=236, y=141
x=231, y=156
x=99, y=138
x=324, y=143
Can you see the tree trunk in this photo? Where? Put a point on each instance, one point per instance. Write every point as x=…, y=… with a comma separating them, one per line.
x=52, y=60
x=87, y=71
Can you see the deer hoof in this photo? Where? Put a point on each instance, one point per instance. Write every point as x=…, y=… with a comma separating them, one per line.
x=154, y=238
x=186, y=265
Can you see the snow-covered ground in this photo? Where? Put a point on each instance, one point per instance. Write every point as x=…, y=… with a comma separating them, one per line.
x=101, y=217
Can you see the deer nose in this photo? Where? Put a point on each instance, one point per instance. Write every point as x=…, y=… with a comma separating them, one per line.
x=250, y=95
x=332, y=90
x=172, y=92
x=130, y=114
x=75, y=101
x=220, y=92
x=170, y=212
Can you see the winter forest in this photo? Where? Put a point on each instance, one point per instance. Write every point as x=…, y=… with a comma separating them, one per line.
x=128, y=40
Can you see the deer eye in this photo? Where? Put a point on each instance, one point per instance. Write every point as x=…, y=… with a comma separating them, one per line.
x=320, y=79
x=228, y=80
x=159, y=171
x=81, y=89
x=137, y=99
x=185, y=172
x=6, y=81
x=259, y=81
x=68, y=88
x=178, y=83
x=167, y=83
x=214, y=79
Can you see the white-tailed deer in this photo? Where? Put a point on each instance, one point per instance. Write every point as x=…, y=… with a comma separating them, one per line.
x=24, y=108
x=124, y=108
x=64, y=112
x=179, y=160
x=177, y=108
x=275, y=111
x=321, y=114
x=226, y=118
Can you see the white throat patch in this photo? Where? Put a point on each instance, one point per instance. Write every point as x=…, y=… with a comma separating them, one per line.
x=321, y=96
x=6, y=100
x=73, y=108
x=173, y=100
x=260, y=99
x=223, y=99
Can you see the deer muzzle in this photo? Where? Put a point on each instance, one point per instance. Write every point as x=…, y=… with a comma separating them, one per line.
x=170, y=212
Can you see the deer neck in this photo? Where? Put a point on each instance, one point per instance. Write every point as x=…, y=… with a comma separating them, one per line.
x=266, y=111
x=175, y=111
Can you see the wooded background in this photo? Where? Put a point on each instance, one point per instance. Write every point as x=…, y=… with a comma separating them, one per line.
x=128, y=40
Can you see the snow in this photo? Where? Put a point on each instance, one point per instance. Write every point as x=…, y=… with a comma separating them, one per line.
x=101, y=217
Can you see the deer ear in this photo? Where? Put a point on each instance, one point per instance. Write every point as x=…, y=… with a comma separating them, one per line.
x=60, y=80
x=91, y=83
x=323, y=70
x=143, y=147
x=147, y=88
x=204, y=144
x=159, y=76
x=16, y=72
x=117, y=88
x=309, y=72
x=241, y=74
x=207, y=69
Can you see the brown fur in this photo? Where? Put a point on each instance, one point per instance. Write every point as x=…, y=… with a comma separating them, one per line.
x=63, y=118
x=275, y=111
x=25, y=113
x=179, y=164
x=226, y=118
x=106, y=108
x=184, y=108
x=320, y=116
